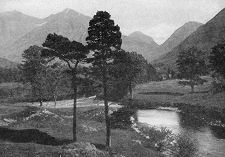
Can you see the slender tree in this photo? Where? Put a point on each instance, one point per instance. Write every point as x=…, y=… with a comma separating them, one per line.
x=104, y=39
x=34, y=71
x=191, y=66
x=70, y=52
x=54, y=78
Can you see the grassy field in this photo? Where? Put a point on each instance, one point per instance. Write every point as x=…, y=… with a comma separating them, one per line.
x=169, y=91
x=33, y=131
x=28, y=130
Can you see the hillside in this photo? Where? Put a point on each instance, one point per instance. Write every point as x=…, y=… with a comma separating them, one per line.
x=140, y=43
x=14, y=25
x=204, y=38
x=139, y=36
x=175, y=39
x=178, y=36
x=73, y=25
x=67, y=23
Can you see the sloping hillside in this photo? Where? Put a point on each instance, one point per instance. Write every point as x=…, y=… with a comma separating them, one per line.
x=204, y=38
x=140, y=45
x=178, y=36
x=67, y=23
x=14, y=25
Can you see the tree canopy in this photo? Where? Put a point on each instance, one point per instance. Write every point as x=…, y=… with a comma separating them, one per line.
x=217, y=59
x=191, y=66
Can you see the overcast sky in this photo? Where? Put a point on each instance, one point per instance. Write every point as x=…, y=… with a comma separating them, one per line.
x=156, y=18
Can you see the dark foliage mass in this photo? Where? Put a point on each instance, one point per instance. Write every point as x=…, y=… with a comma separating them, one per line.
x=191, y=66
x=217, y=59
x=130, y=69
x=10, y=75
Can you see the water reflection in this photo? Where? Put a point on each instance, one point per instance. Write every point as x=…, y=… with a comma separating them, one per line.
x=160, y=118
x=210, y=139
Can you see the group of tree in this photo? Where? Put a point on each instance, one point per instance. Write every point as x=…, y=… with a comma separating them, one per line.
x=192, y=64
x=101, y=63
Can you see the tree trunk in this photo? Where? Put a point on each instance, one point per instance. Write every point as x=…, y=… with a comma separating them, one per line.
x=41, y=103
x=107, y=120
x=74, y=108
x=192, y=87
x=130, y=90
x=55, y=100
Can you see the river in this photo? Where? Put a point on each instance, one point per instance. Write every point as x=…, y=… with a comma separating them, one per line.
x=210, y=140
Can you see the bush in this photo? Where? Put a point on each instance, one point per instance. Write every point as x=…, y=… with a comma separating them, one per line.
x=168, y=143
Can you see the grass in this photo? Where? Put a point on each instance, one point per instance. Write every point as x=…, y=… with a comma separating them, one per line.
x=47, y=132
x=169, y=91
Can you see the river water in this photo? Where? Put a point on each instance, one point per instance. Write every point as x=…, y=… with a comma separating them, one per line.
x=210, y=140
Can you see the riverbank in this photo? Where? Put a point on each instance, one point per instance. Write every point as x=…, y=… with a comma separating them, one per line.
x=202, y=104
x=170, y=92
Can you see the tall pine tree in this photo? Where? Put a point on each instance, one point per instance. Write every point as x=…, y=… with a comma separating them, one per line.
x=104, y=40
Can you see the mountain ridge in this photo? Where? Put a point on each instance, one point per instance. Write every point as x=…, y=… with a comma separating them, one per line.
x=204, y=38
x=14, y=25
x=73, y=25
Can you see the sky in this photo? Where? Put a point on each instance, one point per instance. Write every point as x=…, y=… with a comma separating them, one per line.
x=156, y=18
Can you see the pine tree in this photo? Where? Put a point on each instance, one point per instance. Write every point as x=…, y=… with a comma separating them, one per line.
x=104, y=39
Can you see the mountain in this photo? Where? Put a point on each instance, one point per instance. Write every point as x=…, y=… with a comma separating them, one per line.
x=179, y=35
x=204, y=38
x=175, y=39
x=68, y=23
x=74, y=26
x=14, y=25
x=139, y=36
x=141, y=43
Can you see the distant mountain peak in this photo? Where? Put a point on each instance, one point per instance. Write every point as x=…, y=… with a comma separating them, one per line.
x=138, y=35
x=137, y=32
x=66, y=14
x=69, y=11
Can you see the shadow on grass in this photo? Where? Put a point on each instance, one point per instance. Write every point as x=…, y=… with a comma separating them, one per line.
x=161, y=93
x=99, y=146
x=202, y=92
x=30, y=136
